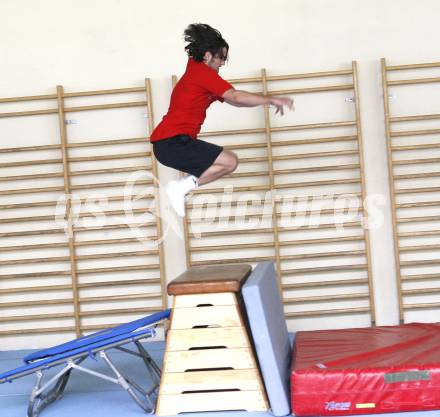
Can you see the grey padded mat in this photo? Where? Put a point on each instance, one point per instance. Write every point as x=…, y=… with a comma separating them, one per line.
x=269, y=331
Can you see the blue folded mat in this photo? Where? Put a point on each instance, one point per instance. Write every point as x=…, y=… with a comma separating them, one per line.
x=52, y=356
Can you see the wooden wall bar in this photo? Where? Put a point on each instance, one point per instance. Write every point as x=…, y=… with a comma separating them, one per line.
x=61, y=271
x=324, y=264
x=413, y=157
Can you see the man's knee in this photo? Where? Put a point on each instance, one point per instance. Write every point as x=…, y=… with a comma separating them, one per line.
x=232, y=162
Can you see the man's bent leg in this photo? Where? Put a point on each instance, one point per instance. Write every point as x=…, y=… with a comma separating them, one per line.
x=224, y=164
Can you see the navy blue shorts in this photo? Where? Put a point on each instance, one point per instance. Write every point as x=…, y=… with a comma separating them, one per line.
x=182, y=152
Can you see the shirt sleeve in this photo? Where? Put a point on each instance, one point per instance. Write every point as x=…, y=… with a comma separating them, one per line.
x=215, y=84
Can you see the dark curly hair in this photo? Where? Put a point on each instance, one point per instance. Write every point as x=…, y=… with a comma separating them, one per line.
x=203, y=38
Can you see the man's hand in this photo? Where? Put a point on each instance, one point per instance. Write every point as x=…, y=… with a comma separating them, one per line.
x=280, y=102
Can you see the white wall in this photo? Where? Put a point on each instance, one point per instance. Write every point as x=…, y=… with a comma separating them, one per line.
x=108, y=43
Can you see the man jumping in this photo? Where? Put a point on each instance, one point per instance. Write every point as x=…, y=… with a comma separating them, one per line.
x=174, y=140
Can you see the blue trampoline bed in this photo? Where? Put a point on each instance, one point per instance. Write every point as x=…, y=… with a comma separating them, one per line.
x=71, y=354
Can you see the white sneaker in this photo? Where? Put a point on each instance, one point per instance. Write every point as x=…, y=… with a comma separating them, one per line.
x=176, y=197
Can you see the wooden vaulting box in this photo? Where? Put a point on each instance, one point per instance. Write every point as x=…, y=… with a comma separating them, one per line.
x=209, y=363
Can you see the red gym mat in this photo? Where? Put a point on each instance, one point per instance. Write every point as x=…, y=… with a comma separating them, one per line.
x=366, y=371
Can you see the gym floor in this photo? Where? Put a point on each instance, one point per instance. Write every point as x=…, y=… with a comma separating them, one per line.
x=87, y=396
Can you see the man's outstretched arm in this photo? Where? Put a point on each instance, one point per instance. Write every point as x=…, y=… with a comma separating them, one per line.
x=240, y=98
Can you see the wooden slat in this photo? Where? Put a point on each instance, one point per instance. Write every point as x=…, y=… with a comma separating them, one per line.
x=300, y=271
x=121, y=297
x=110, y=157
x=31, y=177
x=292, y=76
x=108, y=241
x=116, y=255
x=420, y=277
x=231, y=232
x=236, y=189
x=417, y=291
x=35, y=247
x=116, y=213
x=15, y=206
x=28, y=98
x=416, y=147
x=115, y=226
x=314, y=155
x=117, y=311
x=322, y=226
x=33, y=289
x=416, y=176
x=104, y=92
x=417, y=161
x=64, y=301
x=31, y=162
x=322, y=89
x=117, y=269
x=418, y=219
x=108, y=170
x=47, y=302
x=331, y=139
x=35, y=317
x=32, y=232
x=420, y=117
x=319, y=284
x=418, y=247
x=326, y=298
x=32, y=190
x=232, y=260
x=43, y=274
x=106, y=106
x=414, y=81
x=327, y=240
x=341, y=181
x=28, y=113
x=41, y=330
x=108, y=184
x=30, y=148
x=317, y=168
x=320, y=255
x=237, y=246
x=417, y=190
x=419, y=234
x=421, y=132
x=420, y=262
x=125, y=282
x=411, y=66
x=421, y=306
x=336, y=311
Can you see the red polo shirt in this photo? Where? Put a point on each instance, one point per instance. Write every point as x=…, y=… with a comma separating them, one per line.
x=193, y=94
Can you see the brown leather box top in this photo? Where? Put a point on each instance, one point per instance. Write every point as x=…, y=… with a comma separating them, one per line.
x=209, y=279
